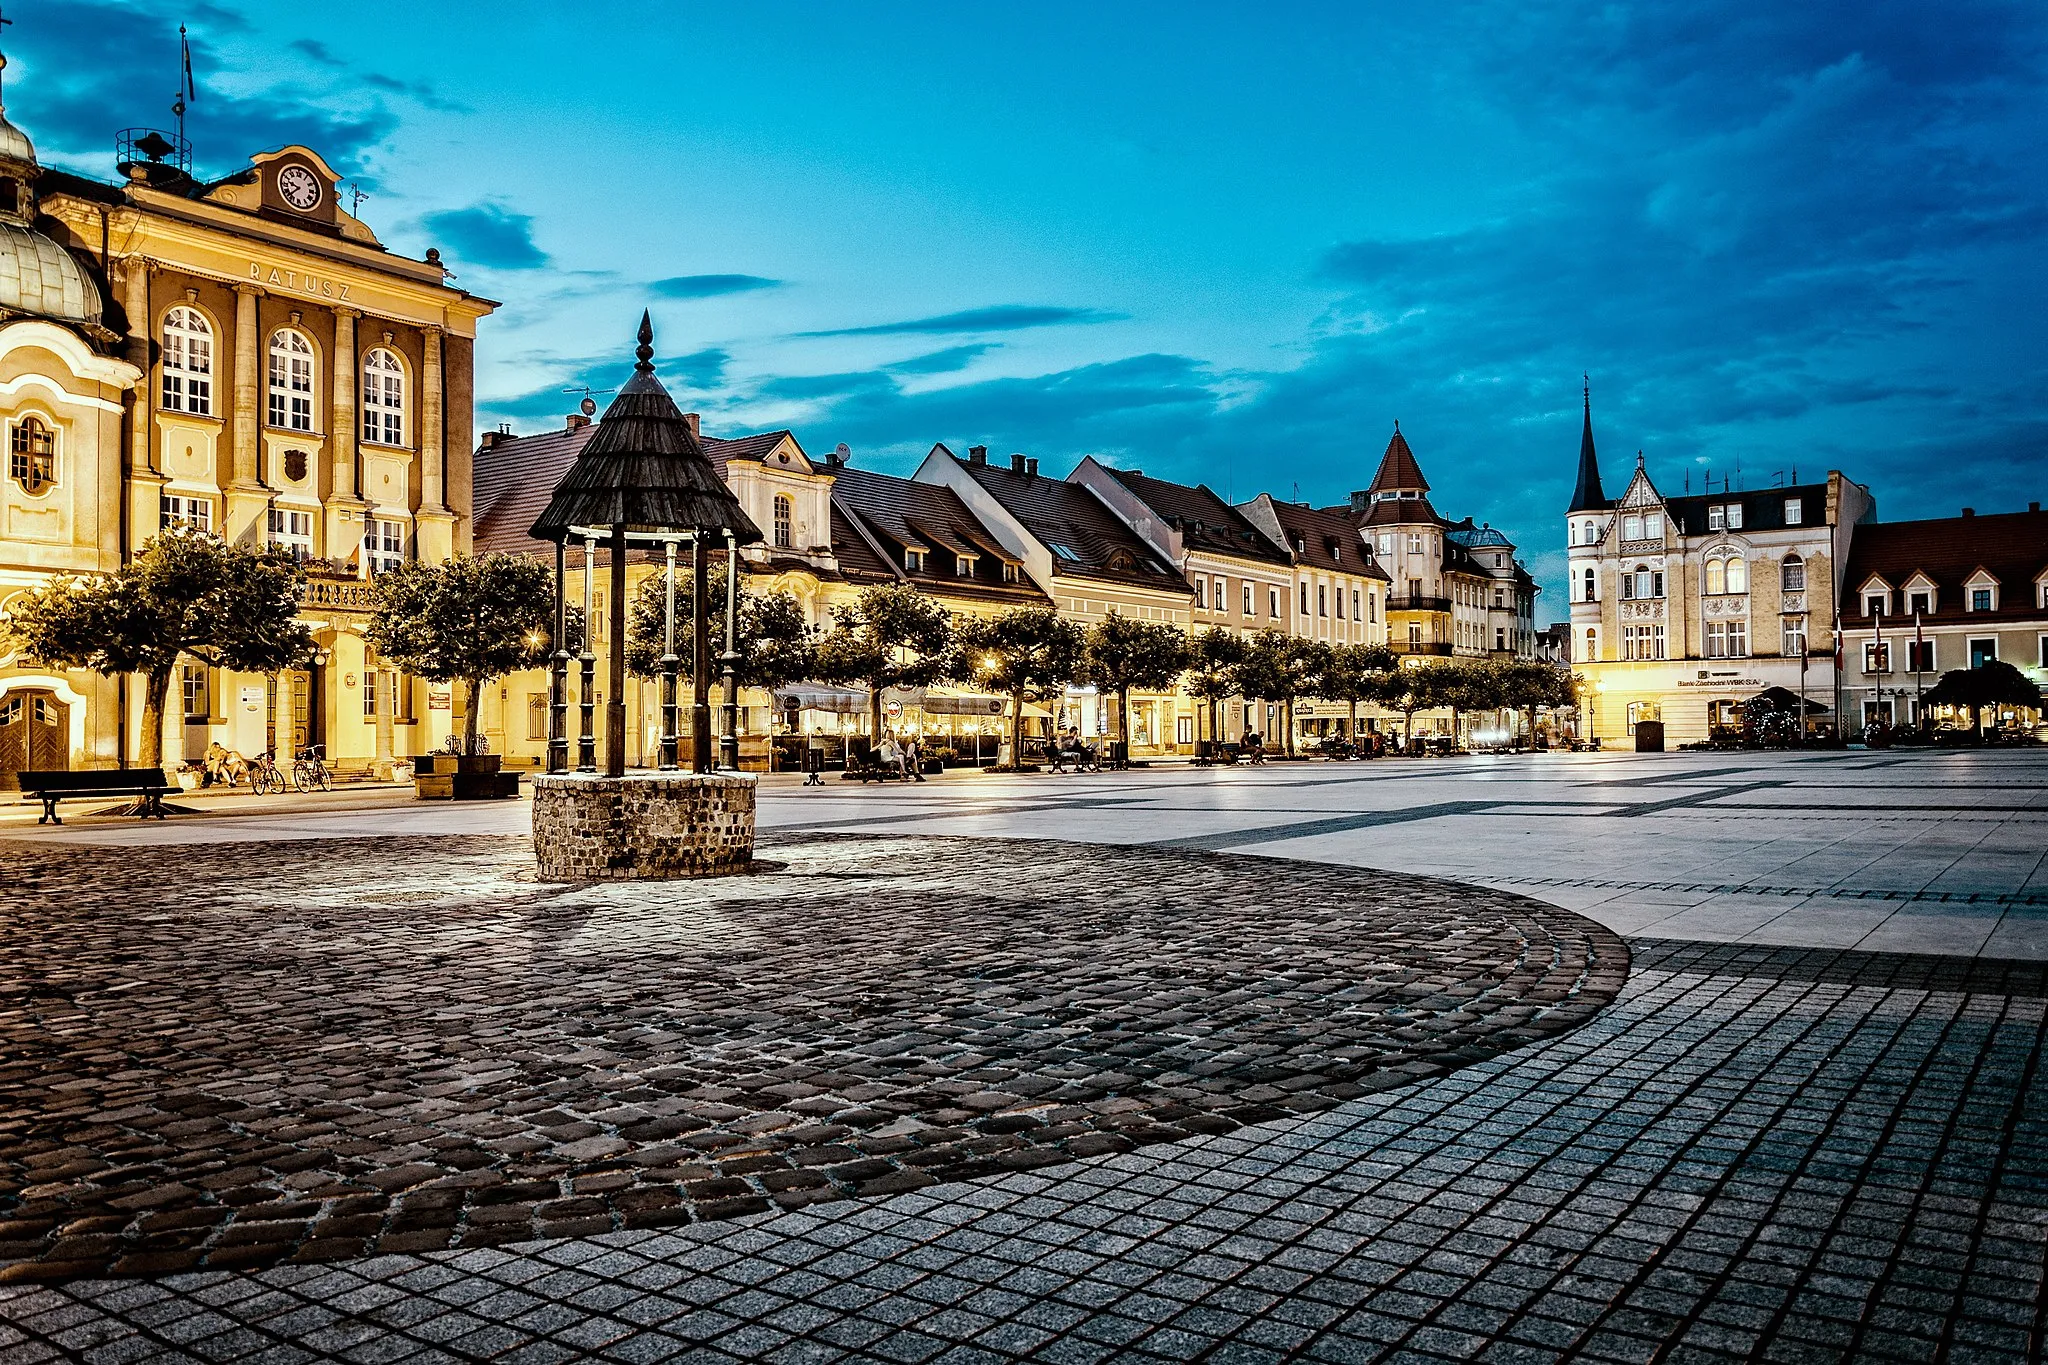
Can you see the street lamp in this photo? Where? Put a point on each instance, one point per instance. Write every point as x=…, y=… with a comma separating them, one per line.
x=643, y=477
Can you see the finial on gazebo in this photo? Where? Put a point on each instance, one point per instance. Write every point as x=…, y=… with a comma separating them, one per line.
x=643, y=356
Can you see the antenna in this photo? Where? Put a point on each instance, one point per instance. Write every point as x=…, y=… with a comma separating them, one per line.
x=355, y=199
x=589, y=404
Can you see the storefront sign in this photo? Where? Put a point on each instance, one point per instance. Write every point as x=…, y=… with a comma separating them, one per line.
x=252, y=700
x=437, y=701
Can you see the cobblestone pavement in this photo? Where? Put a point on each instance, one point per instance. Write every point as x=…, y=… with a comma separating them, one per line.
x=435, y=1050
x=1777, y=1154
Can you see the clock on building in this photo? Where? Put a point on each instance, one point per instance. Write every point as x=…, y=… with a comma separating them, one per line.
x=299, y=188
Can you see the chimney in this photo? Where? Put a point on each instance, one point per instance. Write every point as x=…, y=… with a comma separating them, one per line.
x=1017, y=462
x=2033, y=507
x=1031, y=467
x=1969, y=511
x=977, y=454
x=491, y=440
x=690, y=421
x=577, y=421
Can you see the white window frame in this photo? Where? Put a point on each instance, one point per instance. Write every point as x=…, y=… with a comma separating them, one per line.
x=178, y=509
x=1717, y=518
x=293, y=385
x=384, y=393
x=1792, y=568
x=1795, y=511
x=291, y=530
x=1792, y=637
x=384, y=545
x=783, y=521
x=1970, y=648
x=187, y=367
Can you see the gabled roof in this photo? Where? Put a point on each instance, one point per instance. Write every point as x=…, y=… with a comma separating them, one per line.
x=1317, y=528
x=1085, y=537
x=899, y=514
x=1203, y=519
x=2011, y=546
x=1398, y=468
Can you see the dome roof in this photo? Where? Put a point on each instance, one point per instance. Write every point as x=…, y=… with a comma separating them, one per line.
x=14, y=144
x=40, y=277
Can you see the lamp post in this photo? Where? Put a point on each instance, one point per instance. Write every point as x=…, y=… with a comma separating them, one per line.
x=729, y=741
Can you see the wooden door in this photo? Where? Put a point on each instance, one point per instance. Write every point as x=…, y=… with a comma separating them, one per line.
x=35, y=734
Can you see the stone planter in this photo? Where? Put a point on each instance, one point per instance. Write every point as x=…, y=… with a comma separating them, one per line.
x=643, y=826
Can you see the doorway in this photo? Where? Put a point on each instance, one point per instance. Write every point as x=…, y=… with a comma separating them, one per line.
x=35, y=731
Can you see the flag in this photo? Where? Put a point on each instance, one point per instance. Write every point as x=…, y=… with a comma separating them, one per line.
x=187, y=91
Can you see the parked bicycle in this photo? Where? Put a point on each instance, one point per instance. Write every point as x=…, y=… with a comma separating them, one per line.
x=309, y=770
x=264, y=778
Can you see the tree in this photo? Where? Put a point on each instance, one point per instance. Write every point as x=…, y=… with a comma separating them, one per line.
x=1524, y=685
x=470, y=620
x=1278, y=667
x=185, y=594
x=776, y=646
x=1123, y=653
x=891, y=636
x=1993, y=683
x=1354, y=673
x=1213, y=657
x=1410, y=689
x=1025, y=653
x=1470, y=685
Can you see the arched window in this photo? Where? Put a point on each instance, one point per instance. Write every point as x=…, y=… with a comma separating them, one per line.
x=1792, y=576
x=383, y=398
x=291, y=381
x=1589, y=581
x=1592, y=646
x=32, y=456
x=1717, y=576
x=785, y=521
x=1738, y=574
x=188, y=362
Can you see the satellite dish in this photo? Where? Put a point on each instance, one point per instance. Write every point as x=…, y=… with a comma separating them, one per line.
x=589, y=407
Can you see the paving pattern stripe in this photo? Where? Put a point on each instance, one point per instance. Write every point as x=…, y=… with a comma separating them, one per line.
x=1759, y=889
x=1308, y=829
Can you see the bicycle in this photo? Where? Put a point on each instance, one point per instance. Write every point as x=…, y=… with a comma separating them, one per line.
x=309, y=772
x=264, y=778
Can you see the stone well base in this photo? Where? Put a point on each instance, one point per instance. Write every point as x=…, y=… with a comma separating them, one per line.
x=643, y=826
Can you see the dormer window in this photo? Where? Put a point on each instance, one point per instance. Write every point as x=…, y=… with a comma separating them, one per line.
x=1795, y=511
x=1123, y=562
x=1983, y=598
x=1717, y=518
x=963, y=566
x=1874, y=603
x=1735, y=516
x=1009, y=572
x=1922, y=604
x=913, y=560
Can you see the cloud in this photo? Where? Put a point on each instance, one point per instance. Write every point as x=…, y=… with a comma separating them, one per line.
x=710, y=286
x=946, y=361
x=700, y=370
x=489, y=235
x=1001, y=317
x=418, y=91
x=83, y=69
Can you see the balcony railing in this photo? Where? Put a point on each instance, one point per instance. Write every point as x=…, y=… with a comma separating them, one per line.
x=351, y=594
x=1418, y=604
x=1421, y=647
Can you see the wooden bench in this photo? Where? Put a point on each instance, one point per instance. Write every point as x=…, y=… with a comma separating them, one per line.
x=52, y=787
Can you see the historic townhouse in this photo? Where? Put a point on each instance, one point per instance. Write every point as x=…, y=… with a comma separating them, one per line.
x=1405, y=537
x=1494, y=596
x=240, y=355
x=1925, y=597
x=1082, y=556
x=1339, y=593
x=1684, y=607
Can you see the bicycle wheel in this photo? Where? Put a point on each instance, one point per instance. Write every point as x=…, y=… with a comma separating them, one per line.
x=326, y=778
x=301, y=779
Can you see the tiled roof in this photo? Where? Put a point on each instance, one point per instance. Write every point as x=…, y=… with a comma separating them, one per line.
x=514, y=479
x=903, y=514
x=1398, y=468
x=1085, y=537
x=1762, y=509
x=1318, y=527
x=1204, y=520
x=2011, y=546
x=1397, y=512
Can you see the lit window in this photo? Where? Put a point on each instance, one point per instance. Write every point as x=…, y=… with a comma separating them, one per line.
x=291, y=381
x=188, y=362
x=383, y=398
x=1983, y=652
x=785, y=522
x=32, y=456
x=1588, y=586
x=384, y=545
x=291, y=532
x=1738, y=575
x=1877, y=656
x=1717, y=576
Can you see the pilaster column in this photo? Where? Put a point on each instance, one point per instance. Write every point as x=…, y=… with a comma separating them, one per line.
x=342, y=426
x=248, y=386
x=136, y=304
x=434, y=524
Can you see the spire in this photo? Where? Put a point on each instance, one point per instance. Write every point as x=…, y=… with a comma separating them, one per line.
x=1398, y=469
x=1588, y=497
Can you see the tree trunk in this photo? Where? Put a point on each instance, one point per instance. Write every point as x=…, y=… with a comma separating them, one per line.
x=1354, y=721
x=1287, y=719
x=1016, y=728
x=1123, y=717
x=469, y=721
x=156, y=683
x=874, y=716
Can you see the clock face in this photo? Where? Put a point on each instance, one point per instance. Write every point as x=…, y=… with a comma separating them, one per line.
x=299, y=188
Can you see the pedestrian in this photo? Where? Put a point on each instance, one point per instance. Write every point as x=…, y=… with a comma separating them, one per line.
x=913, y=758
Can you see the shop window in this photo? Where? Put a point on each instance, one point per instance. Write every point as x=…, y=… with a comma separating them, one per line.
x=187, y=362
x=291, y=381
x=32, y=456
x=383, y=398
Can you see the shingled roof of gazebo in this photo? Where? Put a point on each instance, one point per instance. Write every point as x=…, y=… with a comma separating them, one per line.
x=644, y=468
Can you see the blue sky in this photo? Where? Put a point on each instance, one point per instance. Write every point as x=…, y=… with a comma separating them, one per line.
x=1227, y=243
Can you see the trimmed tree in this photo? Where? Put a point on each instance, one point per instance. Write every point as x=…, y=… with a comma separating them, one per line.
x=776, y=646
x=1352, y=674
x=891, y=636
x=471, y=620
x=1409, y=689
x=1992, y=683
x=1123, y=653
x=1027, y=653
x=1528, y=684
x=1213, y=657
x=186, y=594
x=1278, y=667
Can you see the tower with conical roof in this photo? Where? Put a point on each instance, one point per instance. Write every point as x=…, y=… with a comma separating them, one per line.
x=1587, y=496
